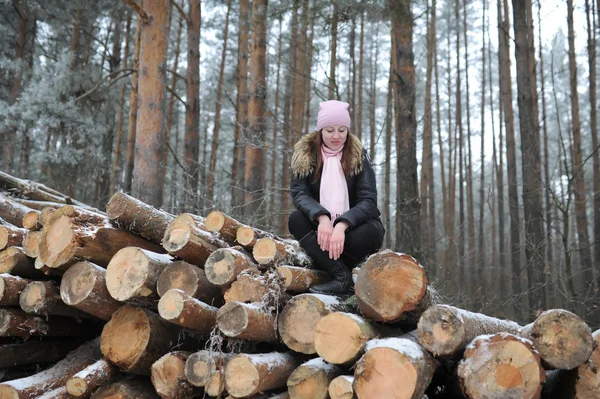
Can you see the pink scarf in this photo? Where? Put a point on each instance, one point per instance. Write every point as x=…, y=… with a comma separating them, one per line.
x=334, y=190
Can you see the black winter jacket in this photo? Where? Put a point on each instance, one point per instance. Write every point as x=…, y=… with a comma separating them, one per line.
x=362, y=190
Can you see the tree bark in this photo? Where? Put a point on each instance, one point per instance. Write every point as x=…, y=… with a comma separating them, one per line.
x=203, y=366
x=226, y=226
x=10, y=235
x=12, y=212
x=247, y=321
x=10, y=289
x=148, y=178
x=273, y=251
x=133, y=108
x=168, y=377
x=188, y=242
x=129, y=388
x=36, y=352
x=300, y=279
x=190, y=279
x=333, y=61
x=14, y=261
x=408, y=232
x=43, y=298
x=361, y=53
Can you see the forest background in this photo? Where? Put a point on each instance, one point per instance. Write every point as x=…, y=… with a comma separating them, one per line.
x=479, y=118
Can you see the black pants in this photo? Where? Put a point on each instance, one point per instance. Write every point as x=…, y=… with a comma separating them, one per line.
x=360, y=242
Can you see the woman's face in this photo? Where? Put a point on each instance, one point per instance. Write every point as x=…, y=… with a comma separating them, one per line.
x=334, y=137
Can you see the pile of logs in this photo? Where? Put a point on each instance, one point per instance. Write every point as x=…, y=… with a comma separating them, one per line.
x=137, y=303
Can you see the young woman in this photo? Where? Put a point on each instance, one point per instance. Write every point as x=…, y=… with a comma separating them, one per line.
x=334, y=190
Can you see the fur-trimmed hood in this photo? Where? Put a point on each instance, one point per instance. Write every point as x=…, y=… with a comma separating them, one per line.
x=304, y=159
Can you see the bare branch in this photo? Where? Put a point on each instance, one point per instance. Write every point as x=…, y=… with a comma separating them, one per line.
x=139, y=9
x=181, y=12
x=177, y=96
x=177, y=75
x=128, y=71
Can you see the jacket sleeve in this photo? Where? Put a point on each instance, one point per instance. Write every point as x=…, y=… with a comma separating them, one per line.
x=304, y=201
x=366, y=198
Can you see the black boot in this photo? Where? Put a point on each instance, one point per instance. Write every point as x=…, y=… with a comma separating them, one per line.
x=341, y=282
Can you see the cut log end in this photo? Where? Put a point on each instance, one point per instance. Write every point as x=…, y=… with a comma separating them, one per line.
x=171, y=305
x=127, y=273
x=340, y=337
x=58, y=245
x=31, y=243
x=311, y=380
x=168, y=375
x=501, y=366
x=215, y=221
x=8, y=392
x=125, y=337
x=3, y=237
x=242, y=377
x=32, y=297
x=384, y=370
x=265, y=251
x=179, y=275
x=221, y=267
x=245, y=236
x=30, y=220
x=441, y=330
x=77, y=386
x=562, y=338
x=77, y=284
x=176, y=236
x=341, y=387
x=232, y=319
x=377, y=289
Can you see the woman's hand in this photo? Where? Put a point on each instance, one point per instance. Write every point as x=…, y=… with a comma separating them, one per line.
x=324, y=232
x=336, y=242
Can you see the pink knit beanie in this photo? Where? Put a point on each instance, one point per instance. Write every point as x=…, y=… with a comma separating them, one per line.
x=333, y=113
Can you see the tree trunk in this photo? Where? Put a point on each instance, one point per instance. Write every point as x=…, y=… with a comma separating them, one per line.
x=276, y=148
x=530, y=148
x=180, y=308
x=97, y=374
x=511, y=161
x=445, y=331
x=254, y=181
x=394, y=367
x=133, y=108
x=549, y=333
x=361, y=53
x=585, y=255
x=83, y=286
x=311, y=380
x=54, y=377
x=373, y=100
x=12, y=211
x=191, y=146
x=332, y=92
x=246, y=375
x=408, y=232
x=238, y=166
x=16, y=323
x=389, y=124
x=148, y=178
x=217, y=118
x=500, y=366
x=300, y=316
x=481, y=237
x=462, y=266
x=298, y=86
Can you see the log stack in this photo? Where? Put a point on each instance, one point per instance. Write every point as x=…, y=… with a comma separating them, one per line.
x=181, y=306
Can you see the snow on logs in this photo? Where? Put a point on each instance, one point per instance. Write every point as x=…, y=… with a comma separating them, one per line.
x=298, y=319
x=134, y=338
x=85, y=382
x=190, y=279
x=246, y=374
x=394, y=368
x=54, y=377
x=75, y=233
x=131, y=214
x=392, y=287
x=563, y=340
x=168, y=377
x=446, y=331
x=185, y=240
x=247, y=321
x=501, y=366
x=10, y=235
x=311, y=379
x=132, y=274
x=179, y=308
x=12, y=211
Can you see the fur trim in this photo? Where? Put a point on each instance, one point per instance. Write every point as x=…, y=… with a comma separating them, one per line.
x=304, y=159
